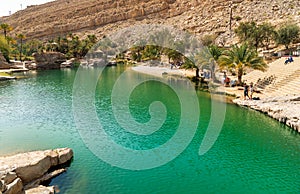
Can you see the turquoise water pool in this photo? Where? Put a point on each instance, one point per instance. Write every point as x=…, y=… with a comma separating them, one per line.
x=253, y=154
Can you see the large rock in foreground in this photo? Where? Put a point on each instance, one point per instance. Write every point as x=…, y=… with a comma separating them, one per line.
x=50, y=60
x=28, y=170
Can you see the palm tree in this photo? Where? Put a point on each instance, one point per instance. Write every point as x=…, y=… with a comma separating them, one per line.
x=10, y=40
x=6, y=28
x=4, y=48
x=208, y=58
x=173, y=55
x=92, y=39
x=21, y=37
x=240, y=58
x=190, y=63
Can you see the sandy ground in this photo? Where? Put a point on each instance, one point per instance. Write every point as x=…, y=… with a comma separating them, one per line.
x=158, y=71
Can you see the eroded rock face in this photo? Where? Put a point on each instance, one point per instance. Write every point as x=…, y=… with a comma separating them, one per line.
x=21, y=170
x=102, y=17
x=49, y=60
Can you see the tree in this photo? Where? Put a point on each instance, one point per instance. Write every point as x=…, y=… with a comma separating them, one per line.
x=4, y=48
x=208, y=58
x=21, y=37
x=287, y=34
x=268, y=34
x=136, y=53
x=32, y=46
x=92, y=39
x=256, y=35
x=172, y=54
x=151, y=52
x=190, y=63
x=240, y=58
x=245, y=31
x=10, y=40
x=6, y=28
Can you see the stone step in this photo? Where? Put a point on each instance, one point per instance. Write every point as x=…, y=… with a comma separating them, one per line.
x=287, y=78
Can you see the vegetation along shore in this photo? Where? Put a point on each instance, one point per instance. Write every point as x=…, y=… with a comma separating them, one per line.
x=229, y=66
x=250, y=51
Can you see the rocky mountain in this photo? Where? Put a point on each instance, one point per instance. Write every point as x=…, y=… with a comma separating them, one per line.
x=102, y=17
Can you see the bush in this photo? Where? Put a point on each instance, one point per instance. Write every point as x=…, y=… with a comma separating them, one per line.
x=208, y=40
x=238, y=18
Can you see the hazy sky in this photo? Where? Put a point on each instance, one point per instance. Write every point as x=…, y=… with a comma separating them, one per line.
x=15, y=5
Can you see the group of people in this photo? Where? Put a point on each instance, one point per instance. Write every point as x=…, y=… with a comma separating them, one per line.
x=248, y=90
x=225, y=79
x=289, y=60
x=175, y=65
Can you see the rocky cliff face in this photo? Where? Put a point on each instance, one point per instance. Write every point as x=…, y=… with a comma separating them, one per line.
x=101, y=17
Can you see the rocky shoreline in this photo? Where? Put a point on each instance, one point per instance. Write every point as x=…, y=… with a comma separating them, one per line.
x=283, y=109
x=26, y=172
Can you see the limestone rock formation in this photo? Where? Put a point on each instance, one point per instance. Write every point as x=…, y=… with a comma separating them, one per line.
x=26, y=171
x=284, y=109
x=49, y=60
x=102, y=17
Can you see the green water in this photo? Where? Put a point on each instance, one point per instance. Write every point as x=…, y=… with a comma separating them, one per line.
x=253, y=154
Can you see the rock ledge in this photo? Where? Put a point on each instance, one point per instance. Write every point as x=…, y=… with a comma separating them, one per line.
x=23, y=173
x=284, y=109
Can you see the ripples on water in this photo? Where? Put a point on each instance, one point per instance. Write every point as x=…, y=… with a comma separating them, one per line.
x=254, y=154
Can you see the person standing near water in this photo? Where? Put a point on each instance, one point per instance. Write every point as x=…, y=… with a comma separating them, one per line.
x=246, y=87
x=251, y=90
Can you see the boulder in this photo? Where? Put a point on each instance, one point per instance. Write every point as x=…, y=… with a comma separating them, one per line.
x=31, y=166
x=36, y=169
x=49, y=60
x=64, y=155
x=40, y=190
x=69, y=63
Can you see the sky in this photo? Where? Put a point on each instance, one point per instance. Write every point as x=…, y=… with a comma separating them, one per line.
x=14, y=5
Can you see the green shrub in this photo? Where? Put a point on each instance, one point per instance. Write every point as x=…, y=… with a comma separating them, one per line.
x=238, y=18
